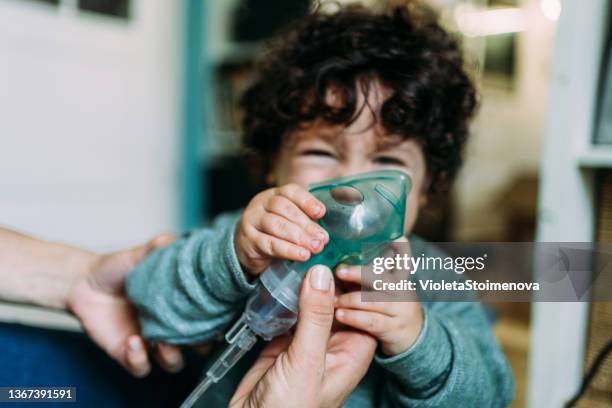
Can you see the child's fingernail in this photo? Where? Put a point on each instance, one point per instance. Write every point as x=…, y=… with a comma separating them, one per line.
x=315, y=243
x=303, y=253
x=342, y=271
x=320, y=278
x=315, y=231
x=317, y=210
x=335, y=299
x=339, y=313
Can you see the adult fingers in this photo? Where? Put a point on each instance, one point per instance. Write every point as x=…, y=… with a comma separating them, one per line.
x=315, y=318
x=169, y=357
x=160, y=241
x=267, y=358
x=111, y=270
x=136, y=360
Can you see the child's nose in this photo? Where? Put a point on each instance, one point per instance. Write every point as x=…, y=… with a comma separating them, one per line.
x=355, y=167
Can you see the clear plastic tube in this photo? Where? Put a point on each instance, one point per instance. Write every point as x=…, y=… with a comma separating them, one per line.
x=197, y=392
x=241, y=339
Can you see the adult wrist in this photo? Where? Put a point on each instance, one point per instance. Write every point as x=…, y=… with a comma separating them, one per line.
x=77, y=265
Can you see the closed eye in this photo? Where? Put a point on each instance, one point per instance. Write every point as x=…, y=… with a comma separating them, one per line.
x=389, y=161
x=317, y=152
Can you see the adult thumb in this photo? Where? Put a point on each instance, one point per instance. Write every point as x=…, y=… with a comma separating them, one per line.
x=315, y=318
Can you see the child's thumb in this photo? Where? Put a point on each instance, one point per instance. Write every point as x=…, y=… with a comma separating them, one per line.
x=315, y=318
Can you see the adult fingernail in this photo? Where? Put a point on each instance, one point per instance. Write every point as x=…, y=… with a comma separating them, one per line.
x=134, y=344
x=171, y=355
x=320, y=278
x=142, y=371
x=177, y=363
x=173, y=359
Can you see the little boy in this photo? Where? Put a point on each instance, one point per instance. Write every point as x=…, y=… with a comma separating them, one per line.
x=341, y=94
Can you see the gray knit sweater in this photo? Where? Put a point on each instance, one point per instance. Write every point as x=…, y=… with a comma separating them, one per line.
x=191, y=291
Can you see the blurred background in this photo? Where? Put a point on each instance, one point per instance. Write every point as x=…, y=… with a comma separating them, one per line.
x=119, y=121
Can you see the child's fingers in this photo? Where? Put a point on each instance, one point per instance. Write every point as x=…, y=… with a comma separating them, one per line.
x=286, y=208
x=371, y=322
x=353, y=274
x=353, y=300
x=349, y=273
x=273, y=247
x=400, y=246
x=281, y=228
x=303, y=199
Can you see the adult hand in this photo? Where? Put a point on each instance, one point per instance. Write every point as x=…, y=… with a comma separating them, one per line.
x=314, y=367
x=98, y=300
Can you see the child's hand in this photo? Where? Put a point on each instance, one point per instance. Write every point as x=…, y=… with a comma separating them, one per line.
x=279, y=223
x=396, y=324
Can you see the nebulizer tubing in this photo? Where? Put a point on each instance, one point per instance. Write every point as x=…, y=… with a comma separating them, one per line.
x=364, y=215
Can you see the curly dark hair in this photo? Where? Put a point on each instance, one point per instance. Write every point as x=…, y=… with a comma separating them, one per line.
x=432, y=98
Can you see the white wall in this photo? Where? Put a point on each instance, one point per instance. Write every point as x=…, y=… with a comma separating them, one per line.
x=89, y=129
x=89, y=124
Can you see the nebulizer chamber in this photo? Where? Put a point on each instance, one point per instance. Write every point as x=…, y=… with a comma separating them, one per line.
x=364, y=214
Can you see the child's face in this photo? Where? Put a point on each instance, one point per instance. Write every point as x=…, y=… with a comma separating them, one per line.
x=320, y=152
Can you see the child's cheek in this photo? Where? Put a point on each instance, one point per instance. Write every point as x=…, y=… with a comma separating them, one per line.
x=412, y=212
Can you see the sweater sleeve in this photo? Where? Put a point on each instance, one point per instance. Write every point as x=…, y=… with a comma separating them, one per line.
x=456, y=361
x=190, y=291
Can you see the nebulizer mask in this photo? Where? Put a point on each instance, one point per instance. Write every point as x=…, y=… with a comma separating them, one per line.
x=364, y=215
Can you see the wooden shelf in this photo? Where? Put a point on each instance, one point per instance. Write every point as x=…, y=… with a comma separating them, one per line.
x=596, y=157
